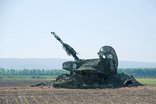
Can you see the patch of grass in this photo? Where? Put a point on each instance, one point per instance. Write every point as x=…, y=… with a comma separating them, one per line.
x=29, y=78
x=147, y=81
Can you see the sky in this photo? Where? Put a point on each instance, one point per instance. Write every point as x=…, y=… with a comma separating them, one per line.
x=127, y=25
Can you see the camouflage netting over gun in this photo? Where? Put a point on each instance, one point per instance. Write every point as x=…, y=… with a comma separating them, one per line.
x=92, y=73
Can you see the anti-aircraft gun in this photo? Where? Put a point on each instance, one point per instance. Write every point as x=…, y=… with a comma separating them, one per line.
x=92, y=73
x=107, y=60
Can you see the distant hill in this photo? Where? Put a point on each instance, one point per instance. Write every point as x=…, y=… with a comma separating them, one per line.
x=55, y=63
x=134, y=64
x=31, y=63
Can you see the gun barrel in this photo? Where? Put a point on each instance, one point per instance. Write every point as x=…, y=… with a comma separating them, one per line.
x=68, y=48
x=57, y=37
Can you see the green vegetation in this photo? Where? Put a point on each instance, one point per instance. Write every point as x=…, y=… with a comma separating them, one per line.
x=29, y=78
x=30, y=72
x=139, y=72
x=146, y=76
x=27, y=74
x=147, y=81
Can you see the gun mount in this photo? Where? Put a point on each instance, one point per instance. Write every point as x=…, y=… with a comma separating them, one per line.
x=92, y=73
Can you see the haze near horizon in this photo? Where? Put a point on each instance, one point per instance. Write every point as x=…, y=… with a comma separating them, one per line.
x=86, y=25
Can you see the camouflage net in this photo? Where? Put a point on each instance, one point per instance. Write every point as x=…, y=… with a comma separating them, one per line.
x=112, y=81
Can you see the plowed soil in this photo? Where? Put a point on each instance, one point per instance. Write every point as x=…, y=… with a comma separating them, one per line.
x=20, y=92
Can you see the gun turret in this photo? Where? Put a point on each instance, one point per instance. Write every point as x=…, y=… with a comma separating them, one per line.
x=68, y=48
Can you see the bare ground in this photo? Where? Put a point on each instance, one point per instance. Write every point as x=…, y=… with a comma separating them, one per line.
x=14, y=92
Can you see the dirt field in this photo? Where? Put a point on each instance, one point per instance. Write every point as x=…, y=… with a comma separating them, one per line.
x=20, y=92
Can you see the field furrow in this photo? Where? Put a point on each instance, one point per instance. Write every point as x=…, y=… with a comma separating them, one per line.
x=47, y=95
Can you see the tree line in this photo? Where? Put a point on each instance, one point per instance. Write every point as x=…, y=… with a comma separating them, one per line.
x=140, y=72
x=31, y=72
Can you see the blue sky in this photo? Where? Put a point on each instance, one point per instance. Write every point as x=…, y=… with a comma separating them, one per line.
x=87, y=25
